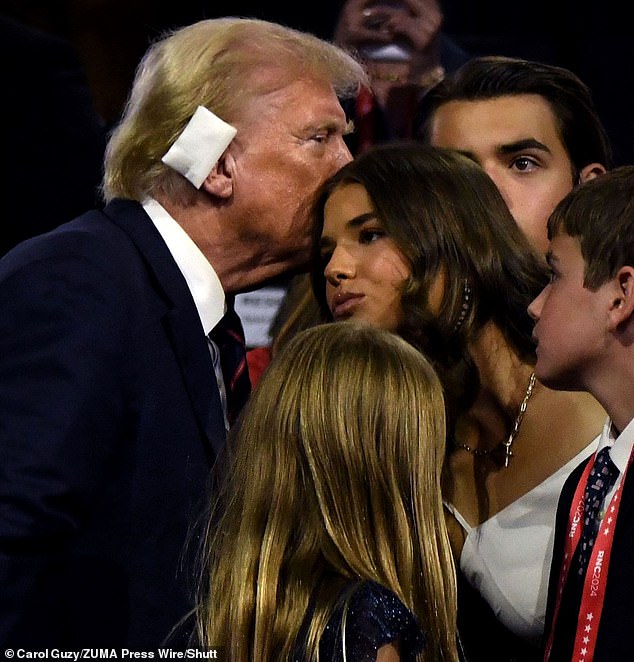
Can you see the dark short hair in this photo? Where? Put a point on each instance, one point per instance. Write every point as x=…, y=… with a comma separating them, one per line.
x=582, y=133
x=600, y=214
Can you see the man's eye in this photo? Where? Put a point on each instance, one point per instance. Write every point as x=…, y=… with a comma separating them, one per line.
x=524, y=164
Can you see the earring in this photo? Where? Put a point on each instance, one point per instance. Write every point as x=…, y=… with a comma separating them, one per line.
x=465, y=307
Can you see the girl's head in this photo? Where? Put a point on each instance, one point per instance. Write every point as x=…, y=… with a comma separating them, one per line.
x=334, y=477
x=426, y=230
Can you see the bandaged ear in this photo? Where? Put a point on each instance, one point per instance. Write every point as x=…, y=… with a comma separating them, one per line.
x=201, y=143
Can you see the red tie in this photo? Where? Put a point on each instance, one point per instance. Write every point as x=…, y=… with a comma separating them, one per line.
x=228, y=335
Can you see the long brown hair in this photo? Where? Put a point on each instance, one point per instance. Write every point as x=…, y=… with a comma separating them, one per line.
x=447, y=217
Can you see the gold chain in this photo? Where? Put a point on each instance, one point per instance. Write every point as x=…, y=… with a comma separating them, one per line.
x=506, y=445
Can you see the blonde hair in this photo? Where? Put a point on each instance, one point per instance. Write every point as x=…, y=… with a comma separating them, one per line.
x=333, y=478
x=223, y=64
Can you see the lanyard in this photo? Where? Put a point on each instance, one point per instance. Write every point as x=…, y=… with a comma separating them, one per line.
x=594, y=584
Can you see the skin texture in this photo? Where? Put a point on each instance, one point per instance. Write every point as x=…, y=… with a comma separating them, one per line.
x=388, y=653
x=515, y=140
x=287, y=145
x=571, y=320
x=361, y=261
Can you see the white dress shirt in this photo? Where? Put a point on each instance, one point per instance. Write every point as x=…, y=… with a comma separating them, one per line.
x=620, y=450
x=201, y=279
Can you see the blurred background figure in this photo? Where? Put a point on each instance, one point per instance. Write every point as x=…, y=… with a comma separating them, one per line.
x=406, y=52
x=53, y=139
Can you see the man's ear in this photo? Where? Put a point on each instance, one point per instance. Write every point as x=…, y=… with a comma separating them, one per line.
x=591, y=171
x=219, y=182
x=622, y=305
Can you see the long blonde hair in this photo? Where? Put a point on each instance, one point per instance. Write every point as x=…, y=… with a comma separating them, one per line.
x=332, y=478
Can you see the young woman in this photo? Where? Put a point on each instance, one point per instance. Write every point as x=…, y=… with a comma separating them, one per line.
x=418, y=240
x=331, y=538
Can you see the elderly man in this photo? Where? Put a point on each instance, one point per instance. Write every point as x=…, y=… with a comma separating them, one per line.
x=116, y=386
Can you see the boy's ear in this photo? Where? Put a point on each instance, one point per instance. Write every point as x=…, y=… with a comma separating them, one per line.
x=622, y=305
x=219, y=182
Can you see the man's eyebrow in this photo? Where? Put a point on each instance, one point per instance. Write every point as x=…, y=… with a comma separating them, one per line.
x=520, y=145
x=330, y=126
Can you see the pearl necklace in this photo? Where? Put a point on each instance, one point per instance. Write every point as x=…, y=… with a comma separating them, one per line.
x=508, y=443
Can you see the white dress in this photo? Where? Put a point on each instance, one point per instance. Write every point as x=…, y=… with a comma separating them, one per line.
x=507, y=558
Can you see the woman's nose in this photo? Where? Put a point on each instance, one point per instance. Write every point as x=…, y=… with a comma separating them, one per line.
x=340, y=266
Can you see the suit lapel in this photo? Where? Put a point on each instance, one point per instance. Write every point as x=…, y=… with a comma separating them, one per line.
x=182, y=321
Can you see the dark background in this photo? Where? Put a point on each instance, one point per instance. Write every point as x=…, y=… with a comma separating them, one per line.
x=595, y=40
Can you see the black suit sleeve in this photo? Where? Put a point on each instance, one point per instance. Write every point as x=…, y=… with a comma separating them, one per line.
x=61, y=404
x=561, y=525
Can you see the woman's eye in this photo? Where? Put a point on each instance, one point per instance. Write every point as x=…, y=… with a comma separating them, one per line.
x=368, y=236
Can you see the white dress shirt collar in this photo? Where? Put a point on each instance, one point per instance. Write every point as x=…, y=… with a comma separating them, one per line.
x=202, y=280
x=621, y=445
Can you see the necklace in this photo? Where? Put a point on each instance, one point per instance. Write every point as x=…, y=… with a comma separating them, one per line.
x=505, y=446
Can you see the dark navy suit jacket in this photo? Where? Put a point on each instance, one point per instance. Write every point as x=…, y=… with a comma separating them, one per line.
x=110, y=421
x=615, y=640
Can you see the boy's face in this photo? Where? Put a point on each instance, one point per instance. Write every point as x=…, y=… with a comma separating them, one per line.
x=571, y=320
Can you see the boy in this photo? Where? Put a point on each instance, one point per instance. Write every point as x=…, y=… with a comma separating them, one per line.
x=585, y=334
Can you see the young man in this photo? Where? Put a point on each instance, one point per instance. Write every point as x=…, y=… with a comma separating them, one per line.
x=532, y=127
x=114, y=392
x=585, y=334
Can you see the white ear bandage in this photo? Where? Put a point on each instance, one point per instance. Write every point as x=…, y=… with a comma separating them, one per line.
x=198, y=148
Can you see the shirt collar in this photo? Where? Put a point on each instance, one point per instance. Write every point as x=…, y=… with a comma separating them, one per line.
x=621, y=445
x=201, y=278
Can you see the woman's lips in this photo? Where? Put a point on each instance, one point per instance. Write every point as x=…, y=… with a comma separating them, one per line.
x=344, y=304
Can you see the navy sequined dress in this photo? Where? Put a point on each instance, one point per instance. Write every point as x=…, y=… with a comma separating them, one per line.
x=375, y=617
